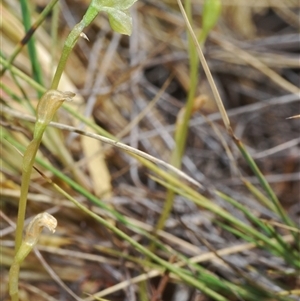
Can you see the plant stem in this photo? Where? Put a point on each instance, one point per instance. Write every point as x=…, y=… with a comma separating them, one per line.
x=28, y=161
x=70, y=42
x=182, y=123
x=47, y=107
x=263, y=182
x=32, y=235
x=37, y=74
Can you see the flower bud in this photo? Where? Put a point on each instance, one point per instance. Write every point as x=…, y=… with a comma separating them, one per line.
x=50, y=103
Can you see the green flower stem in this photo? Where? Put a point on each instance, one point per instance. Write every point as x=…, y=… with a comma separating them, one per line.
x=28, y=160
x=70, y=42
x=46, y=109
x=119, y=19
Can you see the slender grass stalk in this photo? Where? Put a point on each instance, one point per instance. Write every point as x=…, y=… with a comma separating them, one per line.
x=258, y=195
x=36, y=69
x=211, y=13
x=264, y=183
x=27, y=38
x=181, y=125
x=208, y=74
x=22, y=75
x=16, y=81
x=54, y=32
x=265, y=227
x=291, y=255
x=245, y=210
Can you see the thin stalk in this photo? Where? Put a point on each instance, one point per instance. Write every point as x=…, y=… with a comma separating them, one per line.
x=211, y=11
x=22, y=75
x=119, y=22
x=28, y=161
x=290, y=255
x=36, y=70
x=245, y=210
x=16, y=81
x=47, y=107
x=70, y=42
x=259, y=196
x=54, y=31
x=42, y=16
x=267, y=228
x=263, y=182
x=182, y=123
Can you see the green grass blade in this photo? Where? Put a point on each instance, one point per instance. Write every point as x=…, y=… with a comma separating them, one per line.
x=36, y=70
x=266, y=186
